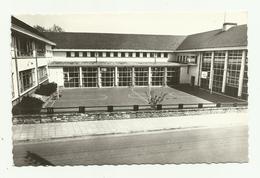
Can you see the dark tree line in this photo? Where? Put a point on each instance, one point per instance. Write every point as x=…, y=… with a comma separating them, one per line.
x=54, y=28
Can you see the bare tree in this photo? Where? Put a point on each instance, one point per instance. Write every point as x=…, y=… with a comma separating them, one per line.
x=154, y=98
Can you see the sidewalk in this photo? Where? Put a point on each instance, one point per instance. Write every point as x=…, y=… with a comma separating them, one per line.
x=87, y=128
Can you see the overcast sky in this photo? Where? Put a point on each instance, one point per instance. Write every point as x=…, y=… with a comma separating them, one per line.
x=138, y=23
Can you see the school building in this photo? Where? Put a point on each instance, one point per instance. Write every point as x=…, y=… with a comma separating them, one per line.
x=214, y=60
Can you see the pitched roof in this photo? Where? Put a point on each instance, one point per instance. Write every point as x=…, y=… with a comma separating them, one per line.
x=25, y=26
x=70, y=40
x=234, y=37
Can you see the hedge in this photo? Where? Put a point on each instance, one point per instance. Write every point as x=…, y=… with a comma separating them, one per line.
x=28, y=105
x=47, y=89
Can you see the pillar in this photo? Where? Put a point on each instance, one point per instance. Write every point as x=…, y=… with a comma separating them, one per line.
x=99, y=77
x=241, y=74
x=225, y=73
x=211, y=71
x=80, y=77
x=165, y=76
x=199, y=63
x=149, y=76
x=116, y=76
x=133, y=76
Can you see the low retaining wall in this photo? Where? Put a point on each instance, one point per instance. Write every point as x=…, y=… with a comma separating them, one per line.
x=92, y=116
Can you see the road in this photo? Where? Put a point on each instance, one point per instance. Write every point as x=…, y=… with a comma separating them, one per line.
x=206, y=145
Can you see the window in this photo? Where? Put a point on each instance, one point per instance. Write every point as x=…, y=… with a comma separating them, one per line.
x=71, y=76
x=13, y=94
x=24, y=46
x=100, y=54
x=92, y=54
x=27, y=79
x=76, y=54
x=42, y=73
x=122, y=54
x=218, y=67
x=137, y=54
x=141, y=76
x=68, y=54
x=151, y=54
x=158, y=54
x=40, y=48
x=245, y=80
x=115, y=54
x=233, y=72
x=107, y=76
x=173, y=75
x=108, y=54
x=85, y=54
x=165, y=55
x=144, y=54
x=89, y=77
x=157, y=76
x=206, y=63
x=125, y=76
x=130, y=54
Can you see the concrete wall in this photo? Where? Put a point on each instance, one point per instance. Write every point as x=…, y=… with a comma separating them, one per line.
x=61, y=56
x=186, y=72
x=56, y=75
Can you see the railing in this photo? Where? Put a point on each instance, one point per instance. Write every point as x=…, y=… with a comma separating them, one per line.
x=111, y=108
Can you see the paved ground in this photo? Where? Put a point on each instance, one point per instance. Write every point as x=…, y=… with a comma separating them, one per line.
x=86, y=128
x=209, y=145
x=120, y=96
x=214, y=97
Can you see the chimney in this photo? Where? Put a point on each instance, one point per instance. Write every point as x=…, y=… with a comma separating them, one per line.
x=228, y=25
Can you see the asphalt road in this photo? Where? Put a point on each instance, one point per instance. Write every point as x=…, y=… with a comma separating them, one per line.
x=218, y=145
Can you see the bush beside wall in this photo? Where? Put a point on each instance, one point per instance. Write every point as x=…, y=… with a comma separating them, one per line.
x=28, y=105
x=47, y=89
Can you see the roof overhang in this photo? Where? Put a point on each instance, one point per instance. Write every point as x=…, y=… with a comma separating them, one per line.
x=27, y=32
x=112, y=50
x=212, y=49
x=113, y=64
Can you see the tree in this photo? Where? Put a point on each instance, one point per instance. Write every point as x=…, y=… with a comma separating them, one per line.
x=54, y=28
x=153, y=98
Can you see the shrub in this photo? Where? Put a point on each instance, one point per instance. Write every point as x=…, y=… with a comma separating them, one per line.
x=28, y=105
x=47, y=89
x=153, y=99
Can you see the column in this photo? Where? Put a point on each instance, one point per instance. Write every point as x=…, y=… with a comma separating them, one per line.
x=133, y=76
x=225, y=73
x=149, y=76
x=241, y=74
x=211, y=71
x=116, y=76
x=165, y=76
x=99, y=77
x=199, y=63
x=80, y=76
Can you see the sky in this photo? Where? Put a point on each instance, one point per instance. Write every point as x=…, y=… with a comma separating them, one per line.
x=184, y=23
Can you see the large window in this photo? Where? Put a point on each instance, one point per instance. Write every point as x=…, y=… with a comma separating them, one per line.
x=71, y=76
x=173, y=75
x=24, y=46
x=124, y=76
x=42, y=73
x=233, y=71
x=218, y=67
x=206, y=62
x=107, y=76
x=89, y=77
x=40, y=48
x=245, y=81
x=27, y=79
x=141, y=76
x=157, y=76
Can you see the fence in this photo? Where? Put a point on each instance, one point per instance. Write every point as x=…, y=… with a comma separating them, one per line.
x=110, y=108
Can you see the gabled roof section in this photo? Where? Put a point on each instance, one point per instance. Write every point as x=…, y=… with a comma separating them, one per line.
x=18, y=24
x=234, y=37
x=110, y=41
